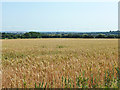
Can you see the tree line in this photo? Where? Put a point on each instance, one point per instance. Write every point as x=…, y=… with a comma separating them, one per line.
x=54, y=35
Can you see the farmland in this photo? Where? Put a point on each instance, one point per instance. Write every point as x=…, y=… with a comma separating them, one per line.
x=59, y=63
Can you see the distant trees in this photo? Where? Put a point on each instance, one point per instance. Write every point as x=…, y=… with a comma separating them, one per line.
x=111, y=36
x=25, y=35
x=87, y=36
x=58, y=35
x=32, y=35
x=100, y=36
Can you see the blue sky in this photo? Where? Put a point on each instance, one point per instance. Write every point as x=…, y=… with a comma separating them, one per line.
x=60, y=16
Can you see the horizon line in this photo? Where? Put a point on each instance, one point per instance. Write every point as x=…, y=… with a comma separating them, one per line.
x=61, y=31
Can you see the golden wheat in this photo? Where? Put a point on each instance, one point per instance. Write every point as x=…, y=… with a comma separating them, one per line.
x=29, y=61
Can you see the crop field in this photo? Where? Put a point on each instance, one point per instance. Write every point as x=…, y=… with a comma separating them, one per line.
x=60, y=63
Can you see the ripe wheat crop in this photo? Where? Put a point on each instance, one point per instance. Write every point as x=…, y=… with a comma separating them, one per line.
x=60, y=63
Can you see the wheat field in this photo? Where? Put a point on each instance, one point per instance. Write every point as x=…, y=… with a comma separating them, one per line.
x=59, y=63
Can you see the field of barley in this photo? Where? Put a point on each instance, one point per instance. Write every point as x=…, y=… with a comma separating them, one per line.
x=60, y=63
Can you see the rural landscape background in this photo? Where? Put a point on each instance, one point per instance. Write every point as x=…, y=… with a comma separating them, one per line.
x=60, y=45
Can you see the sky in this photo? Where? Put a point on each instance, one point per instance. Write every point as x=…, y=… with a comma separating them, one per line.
x=60, y=16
